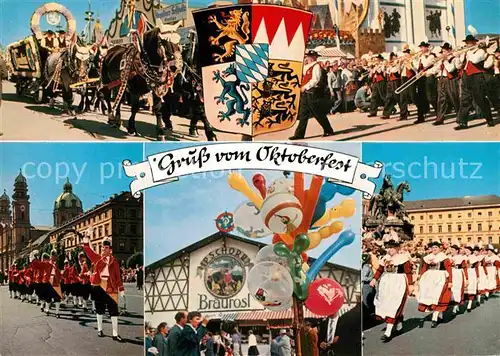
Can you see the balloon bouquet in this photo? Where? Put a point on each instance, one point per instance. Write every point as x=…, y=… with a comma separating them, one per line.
x=299, y=221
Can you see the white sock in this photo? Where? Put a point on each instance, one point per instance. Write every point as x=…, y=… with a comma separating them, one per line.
x=58, y=304
x=74, y=300
x=435, y=316
x=440, y=316
x=399, y=326
x=80, y=301
x=469, y=304
x=37, y=299
x=388, y=329
x=10, y=293
x=487, y=294
x=455, y=309
x=93, y=305
x=479, y=298
x=99, y=322
x=114, y=321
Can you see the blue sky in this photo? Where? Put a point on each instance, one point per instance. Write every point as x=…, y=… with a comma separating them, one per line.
x=94, y=170
x=484, y=15
x=180, y=213
x=439, y=170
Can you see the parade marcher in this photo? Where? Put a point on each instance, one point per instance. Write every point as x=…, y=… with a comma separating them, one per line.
x=435, y=283
x=482, y=284
x=492, y=264
x=83, y=286
x=191, y=335
x=106, y=284
x=393, y=75
x=460, y=277
x=12, y=281
x=37, y=278
x=471, y=288
x=474, y=85
x=51, y=281
x=379, y=86
x=448, y=84
x=396, y=284
x=426, y=89
x=408, y=96
x=314, y=101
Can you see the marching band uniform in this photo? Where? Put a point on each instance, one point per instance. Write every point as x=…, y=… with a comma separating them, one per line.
x=12, y=281
x=379, y=87
x=472, y=273
x=106, y=284
x=448, y=89
x=314, y=101
x=84, y=286
x=459, y=277
x=426, y=93
x=408, y=96
x=69, y=278
x=474, y=86
x=435, y=283
x=395, y=277
x=393, y=82
x=51, y=281
x=37, y=278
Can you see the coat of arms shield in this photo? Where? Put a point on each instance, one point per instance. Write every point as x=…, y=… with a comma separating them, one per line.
x=252, y=57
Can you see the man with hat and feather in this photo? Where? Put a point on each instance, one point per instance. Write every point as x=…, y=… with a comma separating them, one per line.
x=448, y=87
x=474, y=84
x=426, y=88
x=83, y=285
x=459, y=276
x=314, y=100
x=106, y=283
x=395, y=278
x=408, y=71
x=436, y=283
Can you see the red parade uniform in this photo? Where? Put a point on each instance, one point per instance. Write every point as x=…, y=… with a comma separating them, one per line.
x=114, y=281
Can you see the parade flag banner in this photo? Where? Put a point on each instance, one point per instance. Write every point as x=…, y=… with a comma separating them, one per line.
x=252, y=59
x=337, y=167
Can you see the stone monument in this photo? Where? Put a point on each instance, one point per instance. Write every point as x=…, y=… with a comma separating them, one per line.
x=388, y=210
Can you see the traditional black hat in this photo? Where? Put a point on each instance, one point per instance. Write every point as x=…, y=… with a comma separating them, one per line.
x=447, y=46
x=312, y=53
x=490, y=248
x=470, y=38
x=61, y=32
x=392, y=243
x=470, y=248
x=392, y=55
x=50, y=32
x=477, y=248
x=455, y=246
x=424, y=44
x=435, y=243
x=107, y=242
x=380, y=57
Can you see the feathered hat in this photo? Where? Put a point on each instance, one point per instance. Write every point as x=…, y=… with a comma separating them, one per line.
x=107, y=242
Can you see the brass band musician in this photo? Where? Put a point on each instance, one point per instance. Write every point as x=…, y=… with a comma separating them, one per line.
x=448, y=88
x=426, y=89
x=393, y=75
x=379, y=86
x=408, y=71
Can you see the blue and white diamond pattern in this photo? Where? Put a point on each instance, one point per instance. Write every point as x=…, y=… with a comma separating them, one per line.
x=252, y=62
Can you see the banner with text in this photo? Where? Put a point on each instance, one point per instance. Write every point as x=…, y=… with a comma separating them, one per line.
x=167, y=167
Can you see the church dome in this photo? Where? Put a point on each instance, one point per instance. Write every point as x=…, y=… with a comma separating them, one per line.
x=5, y=197
x=20, y=178
x=67, y=199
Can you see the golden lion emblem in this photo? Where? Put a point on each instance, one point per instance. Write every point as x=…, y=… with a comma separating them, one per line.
x=235, y=27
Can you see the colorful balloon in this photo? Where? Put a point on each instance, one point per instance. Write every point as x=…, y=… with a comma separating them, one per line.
x=266, y=254
x=270, y=284
x=312, y=196
x=249, y=222
x=259, y=182
x=325, y=297
x=281, y=212
x=285, y=306
x=240, y=184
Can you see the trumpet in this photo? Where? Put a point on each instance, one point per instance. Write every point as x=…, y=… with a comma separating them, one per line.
x=488, y=41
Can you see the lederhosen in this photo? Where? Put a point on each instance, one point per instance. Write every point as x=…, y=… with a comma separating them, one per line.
x=407, y=96
x=391, y=99
x=475, y=88
x=448, y=91
x=379, y=91
x=426, y=93
x=102, y=299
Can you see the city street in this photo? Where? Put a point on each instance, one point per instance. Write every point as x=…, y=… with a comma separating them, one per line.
x=22, y=119
x=475, y=333
x=25, y=330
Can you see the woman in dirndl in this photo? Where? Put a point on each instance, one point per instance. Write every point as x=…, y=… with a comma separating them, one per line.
x=459, y=276
x=482, y=285
x=395, y=284
x=435, y=283
x=492, y=264
x=471, y=288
